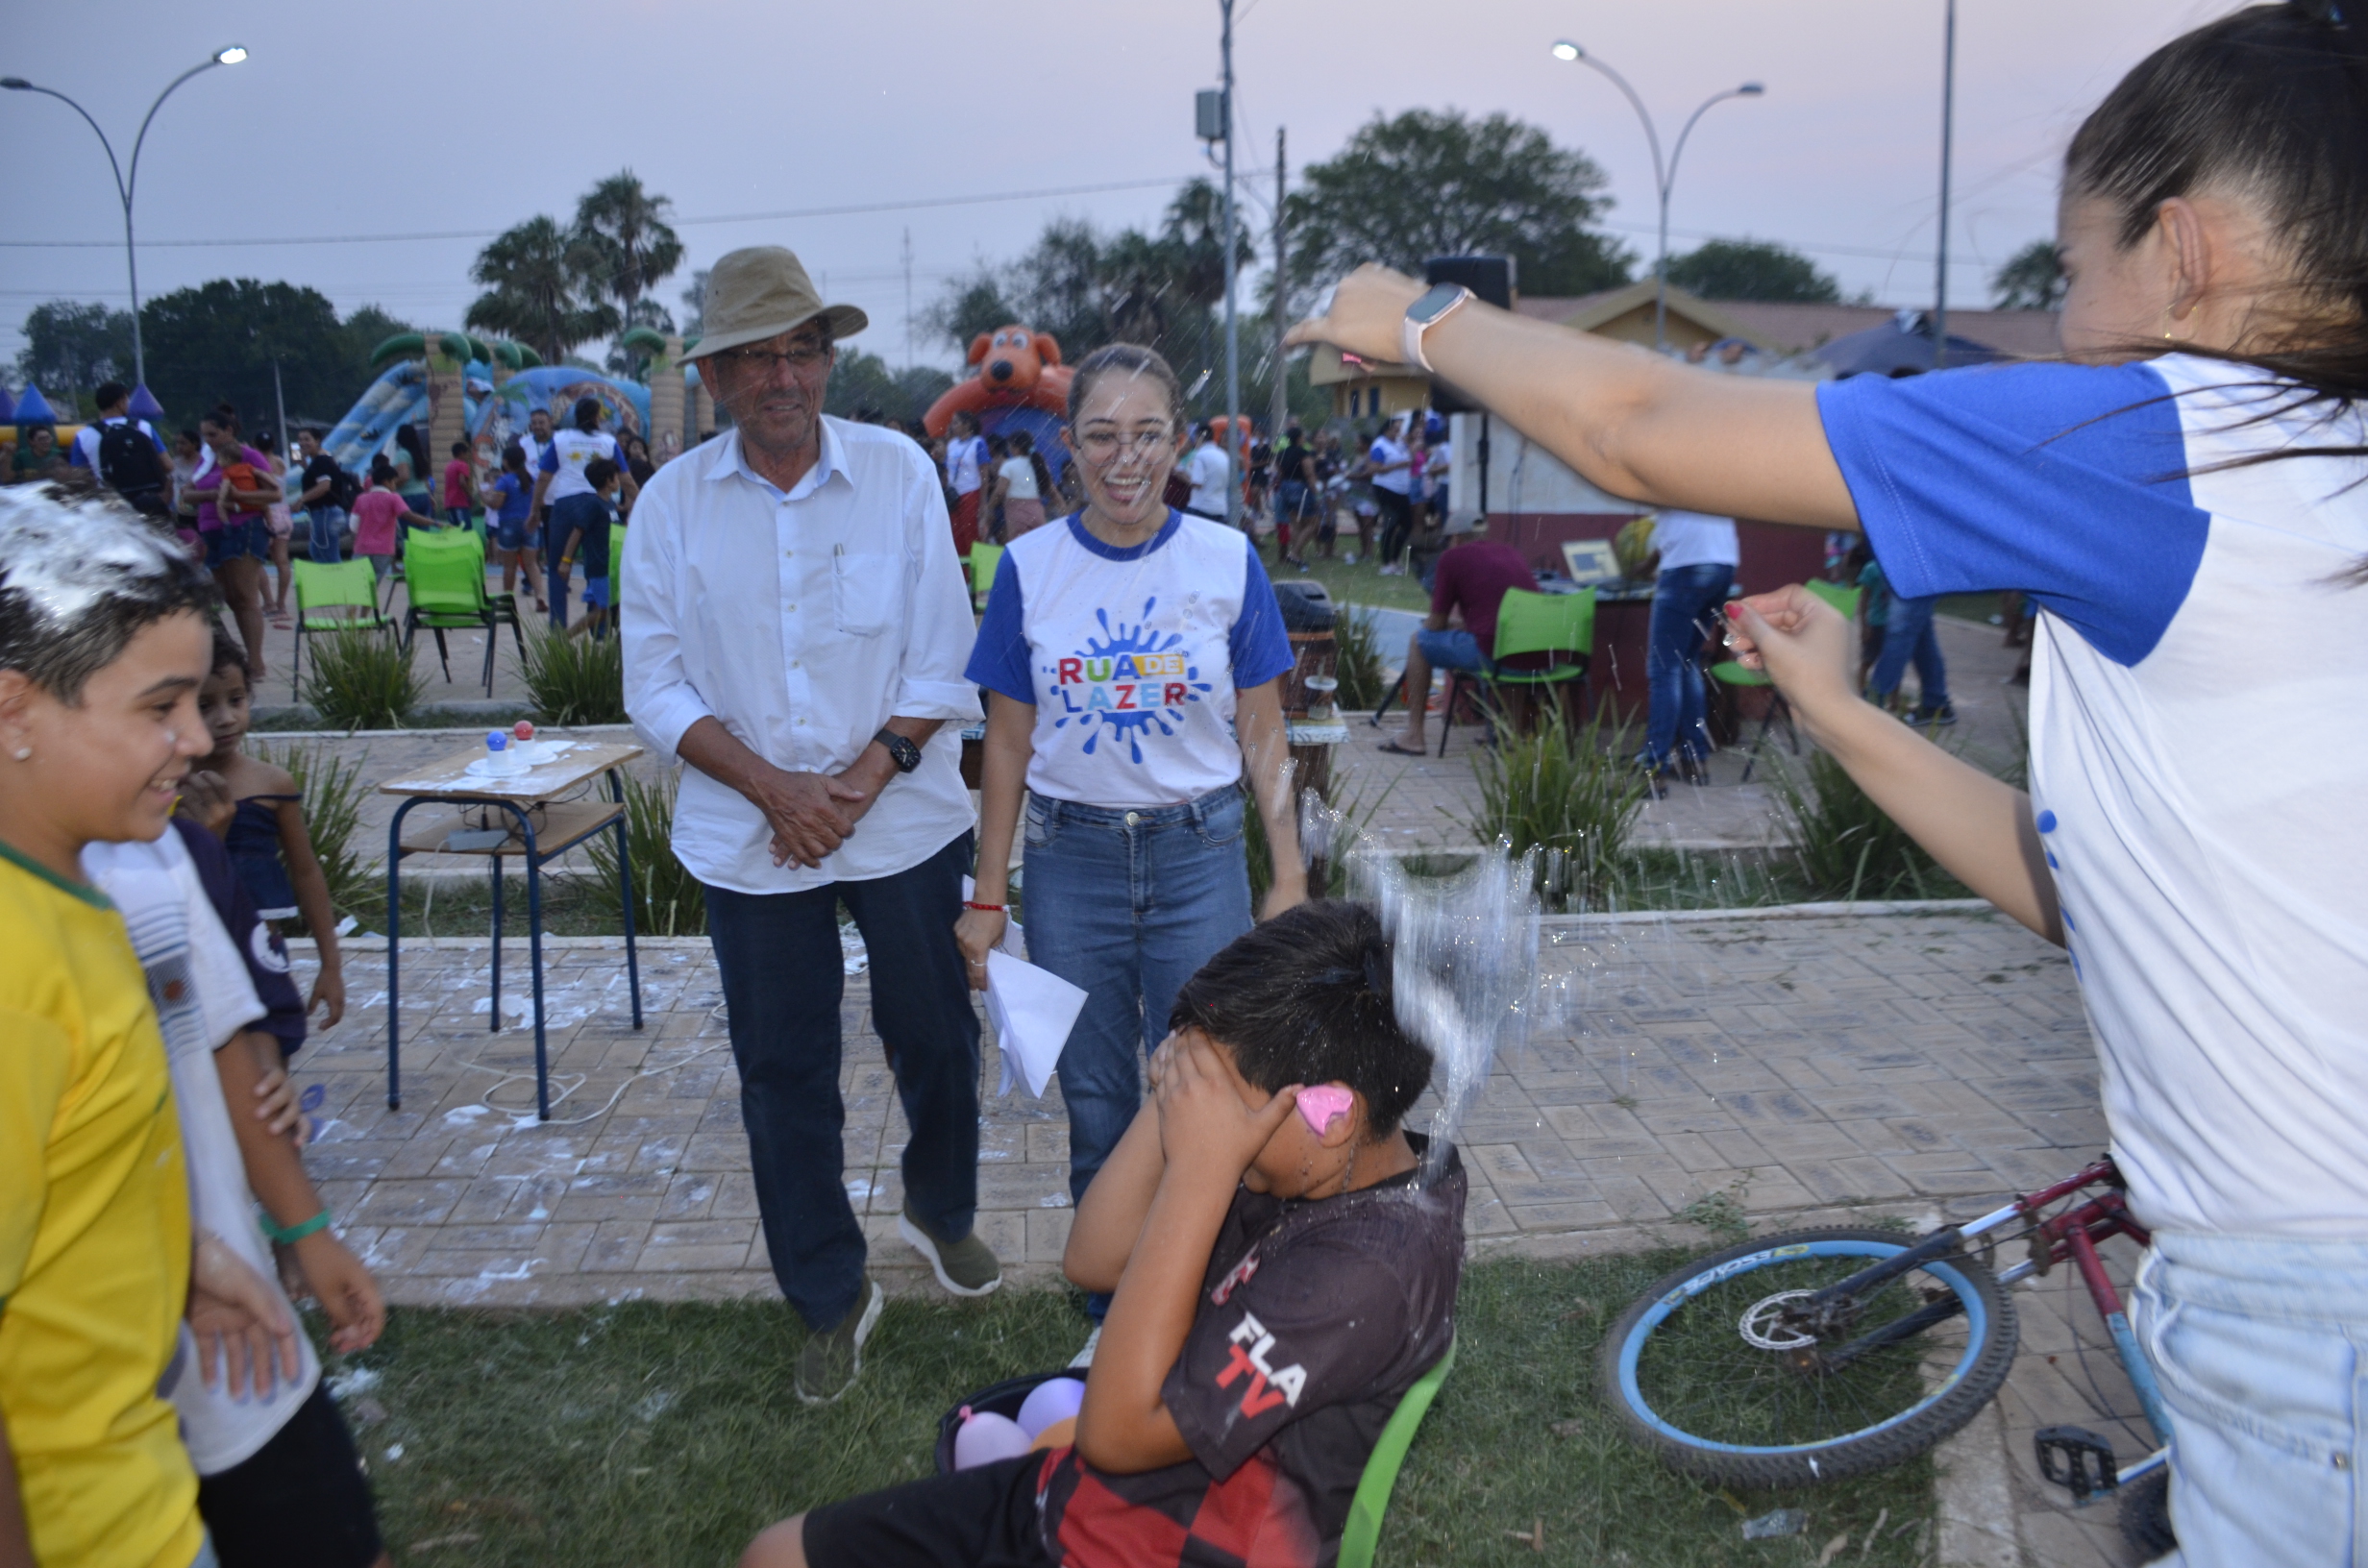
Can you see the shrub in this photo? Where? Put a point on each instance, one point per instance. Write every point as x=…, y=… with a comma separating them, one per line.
x=574, y=680
x=1569, y=792
x=360, y=677
x=1357, y=661
x=1341, y=837
x=333, y=794
x=668, y=900
x=1848, y=846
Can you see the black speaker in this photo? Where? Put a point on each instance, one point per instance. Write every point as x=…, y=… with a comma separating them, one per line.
x=1491, y=279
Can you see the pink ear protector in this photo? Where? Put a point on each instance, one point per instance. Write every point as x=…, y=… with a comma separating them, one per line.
x=1323, y=1104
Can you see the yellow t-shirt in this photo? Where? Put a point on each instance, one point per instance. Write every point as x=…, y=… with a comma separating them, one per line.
x=94, y=1234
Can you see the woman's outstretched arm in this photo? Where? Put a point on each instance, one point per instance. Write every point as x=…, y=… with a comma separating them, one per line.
x=1630, y=421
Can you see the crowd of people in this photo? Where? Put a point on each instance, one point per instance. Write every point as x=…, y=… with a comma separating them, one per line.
x=1271, y=1256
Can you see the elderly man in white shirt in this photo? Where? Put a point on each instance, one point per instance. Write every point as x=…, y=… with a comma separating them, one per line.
x=797, y=634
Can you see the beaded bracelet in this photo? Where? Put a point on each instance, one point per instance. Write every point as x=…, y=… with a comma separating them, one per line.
x=991, y=908
x=289, y=1235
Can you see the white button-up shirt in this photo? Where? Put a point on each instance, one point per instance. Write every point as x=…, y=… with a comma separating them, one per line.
x=802, y=622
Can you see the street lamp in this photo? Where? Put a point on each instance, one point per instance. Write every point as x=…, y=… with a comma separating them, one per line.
x=1665, y=176
x=126, y=184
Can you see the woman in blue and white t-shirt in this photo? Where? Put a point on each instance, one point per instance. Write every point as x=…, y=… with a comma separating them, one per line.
x=2188, y=501
x=566, y=502
x=1132, y=656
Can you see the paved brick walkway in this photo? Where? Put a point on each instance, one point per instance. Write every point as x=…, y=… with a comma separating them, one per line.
x=1897, y=1062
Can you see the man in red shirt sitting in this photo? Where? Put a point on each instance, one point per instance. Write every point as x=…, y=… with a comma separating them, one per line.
x=1470, y=584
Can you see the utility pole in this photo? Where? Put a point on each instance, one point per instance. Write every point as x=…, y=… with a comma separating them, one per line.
x=1233, y=334
x=1281, y=405
x=1948, y=117
x=908, y=296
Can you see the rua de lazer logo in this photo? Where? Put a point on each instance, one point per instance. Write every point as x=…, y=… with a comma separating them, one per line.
x=1125, y=681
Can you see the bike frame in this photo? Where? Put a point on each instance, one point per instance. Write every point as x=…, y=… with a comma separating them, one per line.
x=2072, y=1235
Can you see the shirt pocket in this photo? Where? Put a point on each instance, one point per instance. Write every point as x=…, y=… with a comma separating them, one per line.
x=863, y=591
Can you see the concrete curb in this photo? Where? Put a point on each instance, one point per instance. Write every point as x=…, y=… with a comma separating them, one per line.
x=1974, y=1492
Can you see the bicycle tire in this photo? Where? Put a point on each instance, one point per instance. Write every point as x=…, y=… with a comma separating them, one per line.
x=1688, y=1318
x=2146, y=1516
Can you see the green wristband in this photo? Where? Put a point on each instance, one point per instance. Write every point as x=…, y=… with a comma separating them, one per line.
x=298, y=1231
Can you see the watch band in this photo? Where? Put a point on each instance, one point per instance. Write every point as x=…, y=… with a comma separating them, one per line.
x=901, y=750
x=1419, y=321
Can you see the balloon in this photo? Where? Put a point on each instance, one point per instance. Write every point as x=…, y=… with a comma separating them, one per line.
x=1061, y=1433
x=1055, y=1399
x=986, y=1437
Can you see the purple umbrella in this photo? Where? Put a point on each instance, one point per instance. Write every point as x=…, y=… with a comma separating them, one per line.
x=33, y=408
x=144, y=405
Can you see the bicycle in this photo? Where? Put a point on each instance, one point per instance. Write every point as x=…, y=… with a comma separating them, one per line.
x=1791, y=1359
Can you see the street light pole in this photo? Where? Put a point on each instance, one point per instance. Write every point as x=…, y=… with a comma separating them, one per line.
x=127, y=183
x=1665, y=175
x=1233, y=336
x=1948, y=119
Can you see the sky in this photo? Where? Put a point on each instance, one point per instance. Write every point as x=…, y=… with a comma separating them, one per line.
x=764, y=122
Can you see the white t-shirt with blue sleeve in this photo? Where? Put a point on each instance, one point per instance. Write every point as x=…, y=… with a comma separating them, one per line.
x=569, y=454
x=1131, y=657
x=2196, y=761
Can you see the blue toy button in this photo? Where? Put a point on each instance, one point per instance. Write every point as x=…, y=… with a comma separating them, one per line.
x=2047, y=822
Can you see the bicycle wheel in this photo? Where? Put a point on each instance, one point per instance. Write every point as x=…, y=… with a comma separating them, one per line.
x=1706, y=1370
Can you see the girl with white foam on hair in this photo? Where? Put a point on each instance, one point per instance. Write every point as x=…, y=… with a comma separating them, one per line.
x=2185, y=500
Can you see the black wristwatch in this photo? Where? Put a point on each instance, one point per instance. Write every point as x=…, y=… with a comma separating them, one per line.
x=900, y=750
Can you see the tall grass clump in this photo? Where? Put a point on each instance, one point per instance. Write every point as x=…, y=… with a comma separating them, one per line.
x=360, y=677
x=1356, y=661
x=1847, y=847
x=332, y=793
x=668, y=900
x=574, y=680
x=1354, y=813
x=1569, y=791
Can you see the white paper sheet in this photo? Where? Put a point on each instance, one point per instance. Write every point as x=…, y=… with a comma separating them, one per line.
x=1032, y=1011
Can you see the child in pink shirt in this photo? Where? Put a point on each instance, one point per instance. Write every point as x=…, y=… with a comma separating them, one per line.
x=379, y=514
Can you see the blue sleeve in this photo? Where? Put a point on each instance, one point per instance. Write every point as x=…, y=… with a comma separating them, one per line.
x=2065, y=482
x=265, y=954
x=155, y=440
x=999, y=659
x=1261, y=647
x=551, y=457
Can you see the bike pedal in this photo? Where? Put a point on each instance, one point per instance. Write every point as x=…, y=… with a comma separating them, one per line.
x=2077, y=1459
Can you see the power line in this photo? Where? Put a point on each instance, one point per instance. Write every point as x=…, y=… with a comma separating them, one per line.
x=679, y=223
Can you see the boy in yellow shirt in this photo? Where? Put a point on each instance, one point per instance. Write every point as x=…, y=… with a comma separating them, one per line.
x=104, y=637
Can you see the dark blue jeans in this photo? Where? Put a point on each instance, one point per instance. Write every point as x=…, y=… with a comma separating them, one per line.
x=1908, y=634
x=778, y=957
x=1684, y=602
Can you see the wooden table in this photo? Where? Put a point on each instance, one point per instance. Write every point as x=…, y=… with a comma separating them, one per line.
x=540, y=818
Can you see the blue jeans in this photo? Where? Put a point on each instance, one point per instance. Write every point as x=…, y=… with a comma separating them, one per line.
x=1908, y=634
x=1128, y=904
x=1684, y=600
x=567, y=516
x=2261, y=1347
x=777, y=955
x=328, y=541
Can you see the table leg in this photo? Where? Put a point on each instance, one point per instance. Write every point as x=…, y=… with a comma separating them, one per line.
x=497, y=944
x=624, y=881
x=534, y=956
x=394, y=955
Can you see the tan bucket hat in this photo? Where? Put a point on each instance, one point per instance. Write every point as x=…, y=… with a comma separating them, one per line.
x=761, y=292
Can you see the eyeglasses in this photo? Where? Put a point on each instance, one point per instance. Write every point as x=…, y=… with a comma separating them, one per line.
x=801, y=357
x=1103, y=445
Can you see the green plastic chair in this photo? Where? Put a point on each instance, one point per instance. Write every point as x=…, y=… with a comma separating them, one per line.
x=1374, y=1489
x=984, y=559
x=329, y=599
x=1735, y=679
x=444, y=576
x=1533, y=623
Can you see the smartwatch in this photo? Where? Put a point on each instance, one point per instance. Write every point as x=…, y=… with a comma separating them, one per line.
x=900, y=750
x=1443, y=301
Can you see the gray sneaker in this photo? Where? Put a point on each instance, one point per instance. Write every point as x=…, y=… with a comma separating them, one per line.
x=828, y=1365
x=967, y=1268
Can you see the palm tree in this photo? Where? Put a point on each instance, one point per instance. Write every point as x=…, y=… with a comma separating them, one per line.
x=541, y=281
x=623, y=224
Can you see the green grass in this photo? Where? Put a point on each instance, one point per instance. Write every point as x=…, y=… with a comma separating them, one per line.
x=360, y=677
x=659, y=1434
x=574, y=680
x=1360, y=584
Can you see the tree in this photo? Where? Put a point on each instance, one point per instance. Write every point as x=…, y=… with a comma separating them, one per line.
x=1753, y=269
x=695, y=305
x=542, y=283
x=862, y=385
x=2032, y=280
x=71, y=347
x=622, y=227
x=1436, y=182
x=218, y=343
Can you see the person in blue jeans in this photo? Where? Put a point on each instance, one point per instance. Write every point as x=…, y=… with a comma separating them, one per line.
x=1132, y=657
x=1698, y=555
x=1908, y=634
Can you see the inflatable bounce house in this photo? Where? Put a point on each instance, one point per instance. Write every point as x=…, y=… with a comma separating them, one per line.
x=1020, y=385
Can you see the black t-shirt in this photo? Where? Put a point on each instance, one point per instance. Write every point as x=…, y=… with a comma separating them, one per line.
x=1290, y=459
x=1315, y=1319
x=323, y=467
